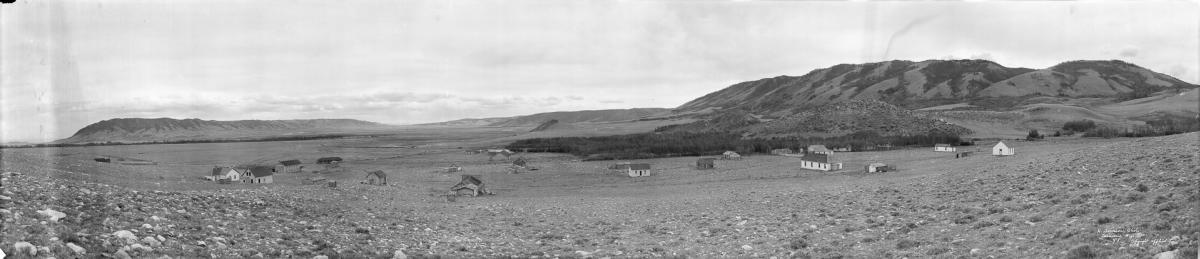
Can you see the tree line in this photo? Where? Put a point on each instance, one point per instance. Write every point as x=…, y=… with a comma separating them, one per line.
x=653, y=145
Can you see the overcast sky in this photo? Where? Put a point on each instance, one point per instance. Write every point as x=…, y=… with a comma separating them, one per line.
x=66, y=65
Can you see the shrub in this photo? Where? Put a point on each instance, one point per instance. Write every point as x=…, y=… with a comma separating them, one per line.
x=1079, y=125
x=1104, y=220
x=1081, y=252
x=1142, y=188
x=906, y=244
x=1076, y=212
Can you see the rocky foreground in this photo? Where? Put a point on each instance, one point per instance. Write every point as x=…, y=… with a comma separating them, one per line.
x=1133, y=198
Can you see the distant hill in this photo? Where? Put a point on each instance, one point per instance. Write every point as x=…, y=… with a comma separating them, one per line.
x=562, y=117
x=933, y=82
x=132, y=130
x=837, y=119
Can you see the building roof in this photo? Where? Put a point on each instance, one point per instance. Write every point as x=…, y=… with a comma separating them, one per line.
x=878, y=164
x=941, y=145
x=262, y=171
x=332, y=158
x=820, y=158
x=290, y=162
x=1000, y=144
x=471, y=179
x=220, y=170
x=377, y=173
x=817, y=148
x=519, y=161
x=639, y=166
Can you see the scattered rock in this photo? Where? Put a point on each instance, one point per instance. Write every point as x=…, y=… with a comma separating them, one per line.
x=747, y=247
x=53, y=214
x=140, y=248
x=121, y=254
x=125, y=234
x=1173, y=254
x=24, y=248
x=76, y=248
x=320, y=257
x=399, y=254
x=151, y=241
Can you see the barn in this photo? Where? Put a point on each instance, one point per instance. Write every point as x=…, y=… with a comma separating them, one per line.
x=329, y=160
x=376, y=177
x=944, y=148
x=470, y=184
x=821, y=162
x=288, y=166
x=1000, y=149
x=706, y=163
x=258, y=174
x=819, y=149
x=637, y=170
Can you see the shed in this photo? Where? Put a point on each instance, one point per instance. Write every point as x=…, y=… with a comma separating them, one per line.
x=376, y=177
x=470, y=184
x=1000, y=149
x=878, y=167
x=636, y=170
x=706, y=163
x=288, y=166
x=962, y=154
x=944, y=148
x=819, y=149
x=730, y=155
x=329, y=160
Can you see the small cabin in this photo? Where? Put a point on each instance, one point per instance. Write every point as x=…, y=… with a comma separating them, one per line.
x=225, y=173
x=638, y=170
x=469, y=185
x=1000, y=149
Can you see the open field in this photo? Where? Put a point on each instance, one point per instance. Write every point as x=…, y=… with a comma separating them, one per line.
x=1054, y=197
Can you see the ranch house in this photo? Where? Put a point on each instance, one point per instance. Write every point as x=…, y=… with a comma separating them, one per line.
x=258, y=174
x=819, y=162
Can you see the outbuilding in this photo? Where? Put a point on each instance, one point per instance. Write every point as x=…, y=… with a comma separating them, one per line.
x=329, y=160
x=470, y=184
x=288, y=166
x=878, y=167
x=638, y=170
x=706, y=163
x=226, y=173
x=1000, y=149
x=819, y=162
x=944, y=148
x=819, y=149
x=730, y=155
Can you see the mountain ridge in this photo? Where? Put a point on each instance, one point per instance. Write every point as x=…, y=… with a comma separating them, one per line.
x=921, y=84
x=168, y=129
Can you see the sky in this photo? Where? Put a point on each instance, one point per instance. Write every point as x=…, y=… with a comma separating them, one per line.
x=67, y=64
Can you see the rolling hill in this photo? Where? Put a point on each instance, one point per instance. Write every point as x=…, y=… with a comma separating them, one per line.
x=133, y=130
x=934, y=82
x=533, y=120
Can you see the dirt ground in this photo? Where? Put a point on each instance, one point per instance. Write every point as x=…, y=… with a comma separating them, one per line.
x=1117, y=198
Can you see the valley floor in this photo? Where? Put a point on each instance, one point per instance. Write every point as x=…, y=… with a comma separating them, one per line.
x=1117, y=198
